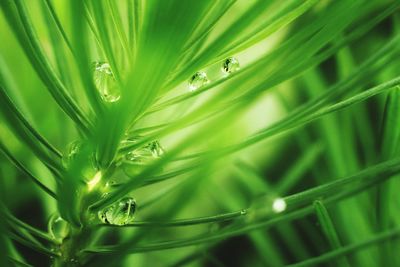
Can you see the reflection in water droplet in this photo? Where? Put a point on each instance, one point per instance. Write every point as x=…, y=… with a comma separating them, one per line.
x=120, y=213
x=58, y=227
x=230, y=65
x=105, y=82
x=198, y=79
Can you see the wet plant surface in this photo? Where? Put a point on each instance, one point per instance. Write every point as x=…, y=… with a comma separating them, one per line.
x=199, y=133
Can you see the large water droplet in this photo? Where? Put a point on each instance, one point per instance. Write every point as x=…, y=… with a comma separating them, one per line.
x=105, y=82
x=135, y=160
x=145, y=154
x=230, y=65
x=120, y=213
x=58, y=227
x=198, y=80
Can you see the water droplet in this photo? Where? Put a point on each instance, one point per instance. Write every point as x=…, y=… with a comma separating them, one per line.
x=134, y=161
x=243, y=212
x=279, y=205
x=73, y=149
x=120, y=213
x=145, y=154
x=198, y=80
x=58, y=227
x=155, y=148
x=105, y=82
x=230, y=65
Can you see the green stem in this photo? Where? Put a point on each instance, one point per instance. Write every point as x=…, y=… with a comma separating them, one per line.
x=70, y=247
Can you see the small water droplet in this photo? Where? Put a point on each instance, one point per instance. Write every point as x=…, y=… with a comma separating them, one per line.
x=120, y=213
x=243, y=212
x=279, y=205
x=198, y=80
x=58, y=227
x=230, y=65
x=73, y=149
x=105, y=82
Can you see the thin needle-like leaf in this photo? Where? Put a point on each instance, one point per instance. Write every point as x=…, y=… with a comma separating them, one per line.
x=187, y=222
x=375, y=240
x=25, y=171
x=329, y=229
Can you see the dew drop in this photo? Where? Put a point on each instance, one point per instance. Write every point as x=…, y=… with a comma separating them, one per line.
x=58, y=227
x=279, y=205
x=73, y=149
x=198, y=80
x=105, y=82
x=155, y=149
x=146, y=153
x=230, y=65
x=120, y=213
x=134, y=161
x=243, y=212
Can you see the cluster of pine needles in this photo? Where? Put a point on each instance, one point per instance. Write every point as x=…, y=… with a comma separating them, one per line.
x=199, y=133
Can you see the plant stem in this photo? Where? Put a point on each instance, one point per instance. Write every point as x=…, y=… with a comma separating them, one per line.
x=70, y=247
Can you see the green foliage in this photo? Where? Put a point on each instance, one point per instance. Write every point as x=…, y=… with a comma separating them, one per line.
x=98, y=120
